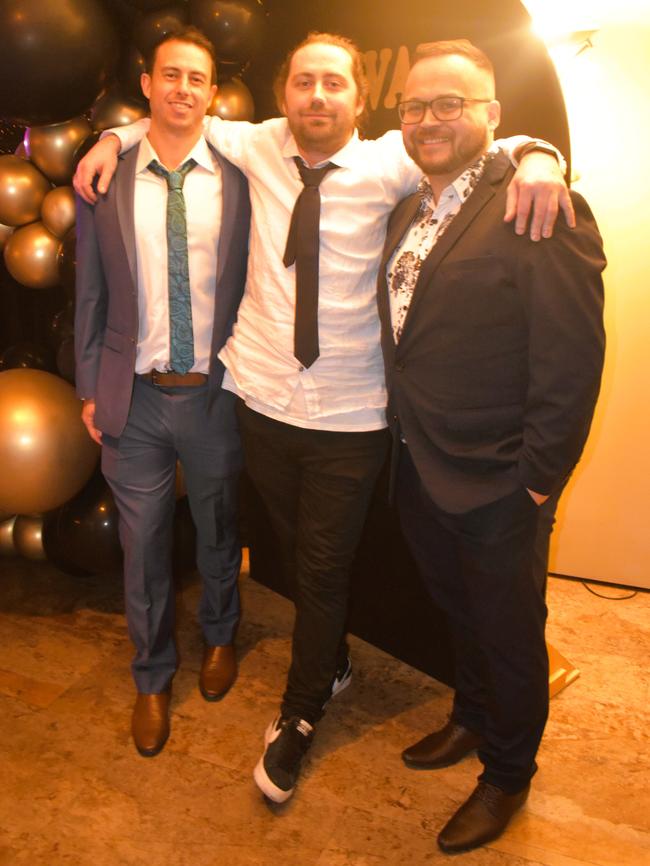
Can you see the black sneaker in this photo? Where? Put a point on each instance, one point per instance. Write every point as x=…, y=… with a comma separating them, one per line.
x=286, y=742
x=343, y=678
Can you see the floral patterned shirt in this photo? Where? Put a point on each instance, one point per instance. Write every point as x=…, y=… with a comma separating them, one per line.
x=429, y=224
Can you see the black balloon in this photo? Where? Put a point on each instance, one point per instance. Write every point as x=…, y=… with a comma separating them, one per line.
x=62, y=325
x=83, y=533
x=67, y=262
x=112, y=109
x=65, y=359
x=55, y=58
x=128, y=74
x=227, y=69
x=153, y=27
x=148, y=5
x=28, y=356
x=235, y=27
x=11, y=136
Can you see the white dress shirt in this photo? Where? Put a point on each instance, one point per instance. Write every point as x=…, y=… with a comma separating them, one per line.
x=344, y=389
x=202, y=192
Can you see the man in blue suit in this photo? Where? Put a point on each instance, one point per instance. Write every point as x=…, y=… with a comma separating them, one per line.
x=161, y=270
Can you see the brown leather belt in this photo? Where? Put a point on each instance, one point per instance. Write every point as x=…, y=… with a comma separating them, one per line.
x=173, y=380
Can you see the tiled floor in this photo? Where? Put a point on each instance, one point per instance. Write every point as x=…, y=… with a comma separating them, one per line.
x=74, y=791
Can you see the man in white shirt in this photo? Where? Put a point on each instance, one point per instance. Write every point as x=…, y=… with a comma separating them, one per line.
x=314, y=434
x=161, y=269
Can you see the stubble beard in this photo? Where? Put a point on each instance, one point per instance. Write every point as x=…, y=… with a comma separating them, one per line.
x=461, y=154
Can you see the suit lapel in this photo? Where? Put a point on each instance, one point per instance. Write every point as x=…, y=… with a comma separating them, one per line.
x=484, y=192
x=228, y=213
x=124, y=197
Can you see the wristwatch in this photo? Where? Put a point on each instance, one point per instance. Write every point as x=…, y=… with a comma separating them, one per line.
x=541, y=146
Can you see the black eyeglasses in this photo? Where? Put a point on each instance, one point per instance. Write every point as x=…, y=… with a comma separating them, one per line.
x=442, y=108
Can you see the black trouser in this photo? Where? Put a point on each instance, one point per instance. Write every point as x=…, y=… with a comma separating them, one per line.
x=480, y=567
x=316, y=486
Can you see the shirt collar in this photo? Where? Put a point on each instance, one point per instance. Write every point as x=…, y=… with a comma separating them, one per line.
x=460, y=188
x=200, y=153
x=344, y=158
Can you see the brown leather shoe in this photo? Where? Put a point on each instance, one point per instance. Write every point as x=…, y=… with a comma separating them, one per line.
x=150, y=723
x=443, y=748
x=482, y=818
x=218, y=671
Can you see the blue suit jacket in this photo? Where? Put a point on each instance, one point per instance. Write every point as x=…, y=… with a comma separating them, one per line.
x=106, y=314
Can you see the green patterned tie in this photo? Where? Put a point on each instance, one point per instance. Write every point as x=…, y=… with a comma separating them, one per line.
x=181, y=337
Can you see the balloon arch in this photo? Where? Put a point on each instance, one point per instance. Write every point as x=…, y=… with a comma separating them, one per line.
x=68, y=71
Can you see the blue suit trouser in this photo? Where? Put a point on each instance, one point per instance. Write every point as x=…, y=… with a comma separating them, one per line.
x=166, y=424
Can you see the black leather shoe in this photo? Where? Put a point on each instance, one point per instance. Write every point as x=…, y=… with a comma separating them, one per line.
x=481, y=818
x=218, y=671
x=442, y=748
x=150, y=723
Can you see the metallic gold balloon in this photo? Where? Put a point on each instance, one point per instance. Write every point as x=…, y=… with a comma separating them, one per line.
x=31, y=256
x=52, y=148
x=7, y=547
x=28, y=537
x=233, y=101
x=5, y=233
x=45, y=452
x=21, y=151
x=58, y=210
x=22, y=190
x=113, y=110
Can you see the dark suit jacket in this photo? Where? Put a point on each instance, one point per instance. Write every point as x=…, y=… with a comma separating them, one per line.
x=495, y=378
x=106, y=315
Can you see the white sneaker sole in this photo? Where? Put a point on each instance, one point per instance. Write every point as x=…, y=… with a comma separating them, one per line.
x=266, y=786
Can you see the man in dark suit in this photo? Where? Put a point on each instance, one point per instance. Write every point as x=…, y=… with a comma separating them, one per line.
x=161, y=270
x=493, y=348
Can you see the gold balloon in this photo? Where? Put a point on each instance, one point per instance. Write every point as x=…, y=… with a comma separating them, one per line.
x=5, y=233
x=21, y=151
x=28, y=537
x=31, y=256
x=7, y=547
x=45, y=452
x=52, y=148
x=58, y=210
x=22, y=190
x=112, y=110
x=233, y=101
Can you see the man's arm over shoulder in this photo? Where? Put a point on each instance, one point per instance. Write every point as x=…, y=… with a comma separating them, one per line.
x=561, y=283
x=230, y=137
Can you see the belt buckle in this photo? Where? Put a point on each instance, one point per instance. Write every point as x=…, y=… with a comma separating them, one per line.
x=154, y=377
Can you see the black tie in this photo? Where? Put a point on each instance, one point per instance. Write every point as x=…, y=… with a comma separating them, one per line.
x=303, y=242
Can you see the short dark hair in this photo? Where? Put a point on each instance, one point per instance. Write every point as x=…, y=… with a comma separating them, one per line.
x=186, y=33
x=460, y=47
x=358, y=67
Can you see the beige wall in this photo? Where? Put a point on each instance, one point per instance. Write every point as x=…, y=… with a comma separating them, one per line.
x=603, y=530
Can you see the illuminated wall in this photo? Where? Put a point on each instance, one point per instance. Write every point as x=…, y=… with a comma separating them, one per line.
x=604, y=519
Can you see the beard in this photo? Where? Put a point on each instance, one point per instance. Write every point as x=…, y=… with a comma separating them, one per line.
x=326, y=135
x=454, y=157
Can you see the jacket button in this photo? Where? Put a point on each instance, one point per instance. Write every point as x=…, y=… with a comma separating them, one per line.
x=399, y=367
